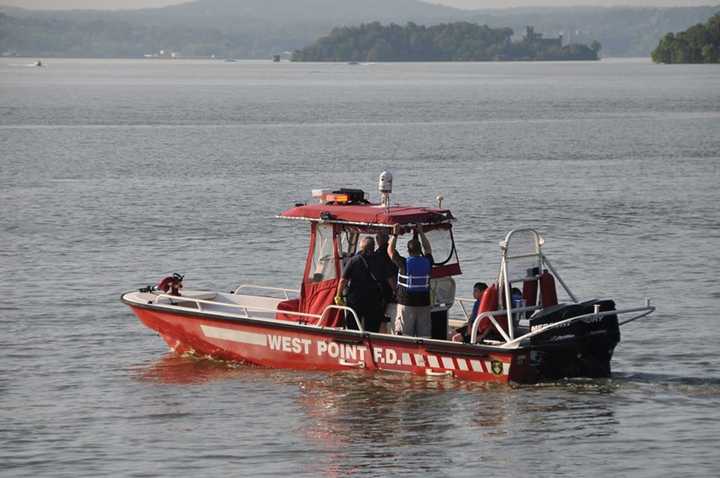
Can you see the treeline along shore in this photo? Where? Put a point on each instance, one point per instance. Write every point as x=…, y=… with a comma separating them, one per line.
x=459, y=41
x=698, y=44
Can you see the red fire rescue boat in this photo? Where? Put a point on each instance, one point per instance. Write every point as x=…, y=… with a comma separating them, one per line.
x=535, y=339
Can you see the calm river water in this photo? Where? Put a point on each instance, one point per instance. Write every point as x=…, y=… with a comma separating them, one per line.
x=113, y=173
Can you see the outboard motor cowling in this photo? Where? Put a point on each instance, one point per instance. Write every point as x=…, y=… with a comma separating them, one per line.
x=579, y=348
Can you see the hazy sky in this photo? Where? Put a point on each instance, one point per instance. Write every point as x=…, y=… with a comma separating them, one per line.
x=107, y=4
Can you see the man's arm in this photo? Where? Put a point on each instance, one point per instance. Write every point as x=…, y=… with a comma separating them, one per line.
x=392, y=252
x=427, y=250
x=344, y=279
x=423, y=240
x=341, y=286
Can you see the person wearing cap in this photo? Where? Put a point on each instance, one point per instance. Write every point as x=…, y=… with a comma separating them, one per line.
x=413, y=284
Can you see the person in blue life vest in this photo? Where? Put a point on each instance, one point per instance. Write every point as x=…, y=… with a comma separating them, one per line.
x=361, y=276
x=413, y=284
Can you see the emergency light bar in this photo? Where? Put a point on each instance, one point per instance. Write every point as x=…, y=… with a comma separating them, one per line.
x=341, y=196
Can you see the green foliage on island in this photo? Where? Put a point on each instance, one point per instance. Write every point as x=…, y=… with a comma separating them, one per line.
x=460, y=41
x=698, y=44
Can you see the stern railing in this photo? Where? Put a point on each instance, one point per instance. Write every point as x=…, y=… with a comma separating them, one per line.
x=515, y=342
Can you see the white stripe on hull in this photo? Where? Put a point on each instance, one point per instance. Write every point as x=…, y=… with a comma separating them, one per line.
x=231, y=335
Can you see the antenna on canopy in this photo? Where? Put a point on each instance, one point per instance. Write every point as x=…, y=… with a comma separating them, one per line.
x=385, y=188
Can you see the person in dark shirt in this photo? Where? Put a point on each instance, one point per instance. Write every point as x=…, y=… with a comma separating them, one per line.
x=361, y=276
x=413, y=285
x=516, y=297
x=388, y=268
x=463, y=333
x=478, y=290
x=388, y=278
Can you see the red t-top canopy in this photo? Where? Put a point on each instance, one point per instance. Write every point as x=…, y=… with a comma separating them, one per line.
x=368, y=214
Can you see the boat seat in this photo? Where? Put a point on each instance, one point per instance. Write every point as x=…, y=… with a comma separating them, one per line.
x=530, y=287
x=488, y=303
x=548, y=292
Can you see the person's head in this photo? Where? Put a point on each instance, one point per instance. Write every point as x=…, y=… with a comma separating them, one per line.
x=382, y=238
x=367, y=245
x=478, y=289
x=413, y=247
x=515, y=291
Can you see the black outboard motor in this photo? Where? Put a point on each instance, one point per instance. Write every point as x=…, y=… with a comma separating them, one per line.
x=580, y=348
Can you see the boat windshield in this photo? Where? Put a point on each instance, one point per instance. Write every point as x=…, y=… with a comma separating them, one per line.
x=441, y=242
x=323, y=259
x=443, y=245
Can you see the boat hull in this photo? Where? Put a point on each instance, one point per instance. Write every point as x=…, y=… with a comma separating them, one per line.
x=577, y=351
x=286, y=345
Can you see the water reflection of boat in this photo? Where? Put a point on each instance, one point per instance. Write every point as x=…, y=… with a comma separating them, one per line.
x=304, y=329
x=187, y=370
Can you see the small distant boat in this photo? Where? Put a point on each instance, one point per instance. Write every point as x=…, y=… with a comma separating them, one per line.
x=230, y=60
x=353, y=63
x=39, y=63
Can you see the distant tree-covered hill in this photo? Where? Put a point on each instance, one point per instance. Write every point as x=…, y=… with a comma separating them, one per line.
x=698, y=44
x=259, y=28
x=226, y=28
x=459, y=41
x=622, y=31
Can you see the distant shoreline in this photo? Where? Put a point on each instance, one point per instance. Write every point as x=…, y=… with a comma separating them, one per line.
x=203, y=28
x=642, y=59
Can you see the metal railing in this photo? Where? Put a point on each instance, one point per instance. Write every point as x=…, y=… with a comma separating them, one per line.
x=263, y=287
x=510, y=343
x=644, y=312
x=462, y=301
x=321, y=318
x=347, y=309
x=492, y=316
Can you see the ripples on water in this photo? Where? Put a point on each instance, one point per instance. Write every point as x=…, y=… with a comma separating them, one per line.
x=113, y=173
